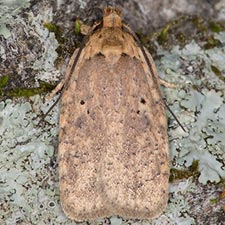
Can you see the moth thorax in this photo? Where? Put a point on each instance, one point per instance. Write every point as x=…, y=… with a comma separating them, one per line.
x=112, y=57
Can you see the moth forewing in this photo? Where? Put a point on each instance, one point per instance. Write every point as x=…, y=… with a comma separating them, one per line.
x=113, y=146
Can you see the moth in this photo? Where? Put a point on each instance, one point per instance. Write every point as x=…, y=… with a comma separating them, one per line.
x=113, y=148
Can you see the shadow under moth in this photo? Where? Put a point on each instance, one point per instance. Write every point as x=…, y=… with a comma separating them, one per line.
x=113, y=147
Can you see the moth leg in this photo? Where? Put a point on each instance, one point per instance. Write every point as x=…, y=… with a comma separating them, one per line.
x=167, y=84
x=58, y=88
x=84, y=29
x=70, y=65
x=153, y=69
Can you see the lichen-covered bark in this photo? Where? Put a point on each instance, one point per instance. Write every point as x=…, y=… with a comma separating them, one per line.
x=189, y=52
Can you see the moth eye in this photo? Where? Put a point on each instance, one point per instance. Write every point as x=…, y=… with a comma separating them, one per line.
x=82, y=102
x=109, y=10
x=138, y=112
x=88, y=112
x=100, y=54
x=143, y=101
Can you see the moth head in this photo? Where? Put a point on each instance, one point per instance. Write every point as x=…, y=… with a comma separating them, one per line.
x=112, y=17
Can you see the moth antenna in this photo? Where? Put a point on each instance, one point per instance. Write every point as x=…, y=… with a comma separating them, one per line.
x=49, y=110
x=150, y=68
x=83, y=43
x=169, y=109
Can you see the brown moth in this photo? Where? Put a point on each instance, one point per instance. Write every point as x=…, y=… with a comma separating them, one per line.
x=113, y=146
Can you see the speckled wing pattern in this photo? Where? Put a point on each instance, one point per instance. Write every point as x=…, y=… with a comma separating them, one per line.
x=113, y=146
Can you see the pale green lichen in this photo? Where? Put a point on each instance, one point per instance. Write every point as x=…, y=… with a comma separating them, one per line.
x=202, y=105
x=28, y=184
x=8, y=10
x=4, y=31
x=206, y=126
x=177, y=210
x=45, y=64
